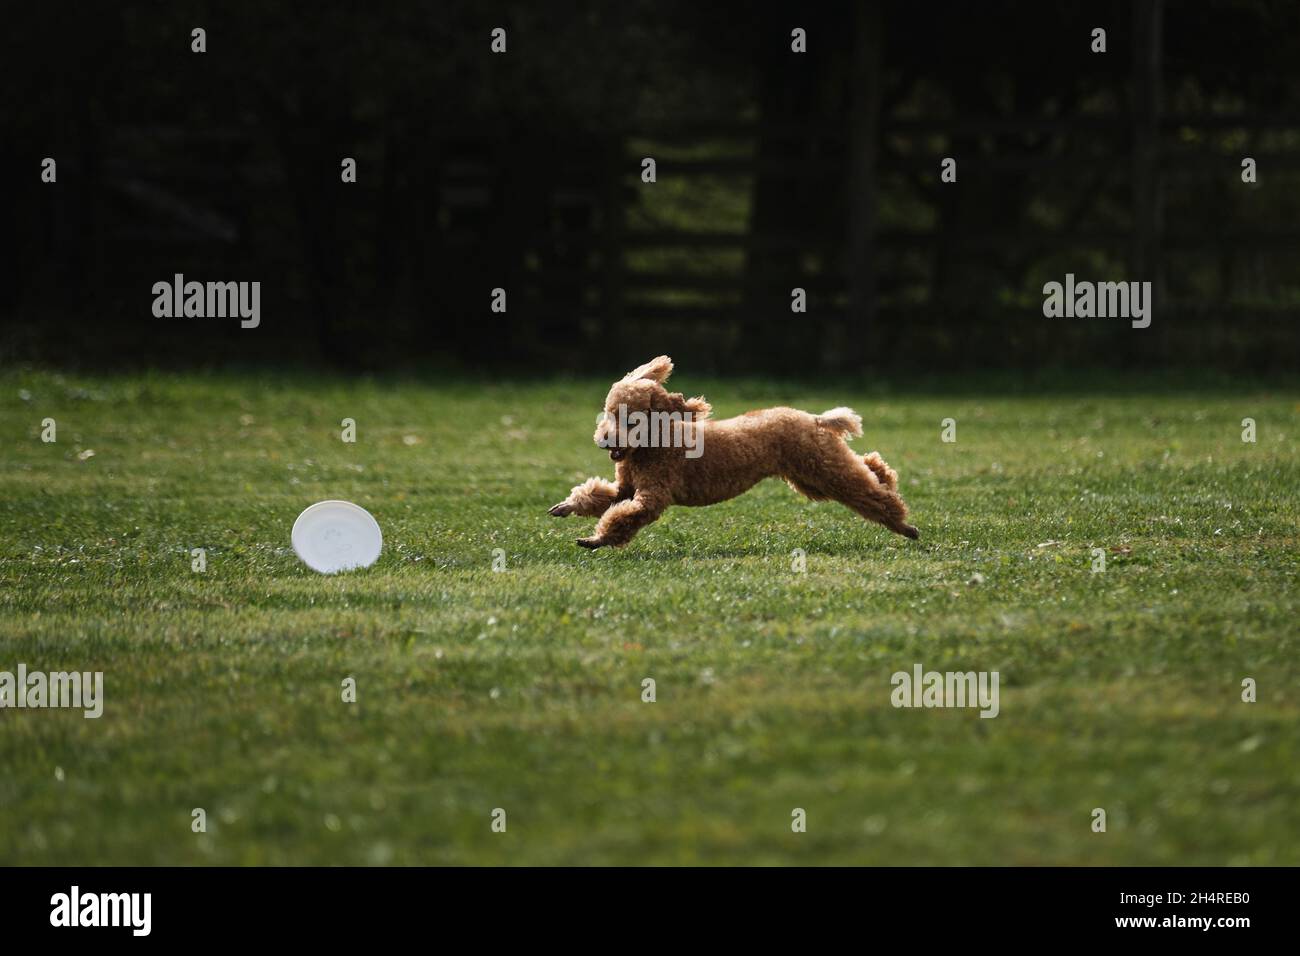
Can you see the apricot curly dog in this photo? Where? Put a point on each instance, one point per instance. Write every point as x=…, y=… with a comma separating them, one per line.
x=687, y=458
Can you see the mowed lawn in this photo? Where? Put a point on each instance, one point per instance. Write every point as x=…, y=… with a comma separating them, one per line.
x=521, y=689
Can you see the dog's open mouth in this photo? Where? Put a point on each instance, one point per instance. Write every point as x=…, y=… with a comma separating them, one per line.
x=617, y=454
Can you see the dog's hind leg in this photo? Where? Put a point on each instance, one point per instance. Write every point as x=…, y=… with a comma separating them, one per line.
x=888, y=477
x=591, y=499
x=880, y=504
x=865, y=485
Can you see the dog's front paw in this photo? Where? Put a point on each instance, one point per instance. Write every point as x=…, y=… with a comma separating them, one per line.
x=593, y=543
x=562, y=510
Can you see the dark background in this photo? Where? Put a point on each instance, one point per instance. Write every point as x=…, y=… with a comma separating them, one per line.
x=775, y=170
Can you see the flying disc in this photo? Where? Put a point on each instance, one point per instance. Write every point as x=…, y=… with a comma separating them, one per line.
x=333, y=536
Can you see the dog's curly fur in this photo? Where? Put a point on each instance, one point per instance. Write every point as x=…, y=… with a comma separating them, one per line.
x=810, y=452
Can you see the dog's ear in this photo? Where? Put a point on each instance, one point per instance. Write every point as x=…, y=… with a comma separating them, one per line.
x=665, y=400
x=656, y=370
x=698, y=407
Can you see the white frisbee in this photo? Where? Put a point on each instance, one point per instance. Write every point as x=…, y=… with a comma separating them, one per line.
x=333, y=536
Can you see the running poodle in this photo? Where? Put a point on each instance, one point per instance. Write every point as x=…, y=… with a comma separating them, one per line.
x=674, y=454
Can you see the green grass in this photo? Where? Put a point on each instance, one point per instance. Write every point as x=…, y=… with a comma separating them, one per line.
x=522, y=689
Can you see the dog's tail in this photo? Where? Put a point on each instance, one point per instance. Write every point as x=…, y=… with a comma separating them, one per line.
x=888, y=477
x=844, y=421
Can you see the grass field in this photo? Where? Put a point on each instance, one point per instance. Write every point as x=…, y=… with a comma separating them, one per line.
x=521, y=689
